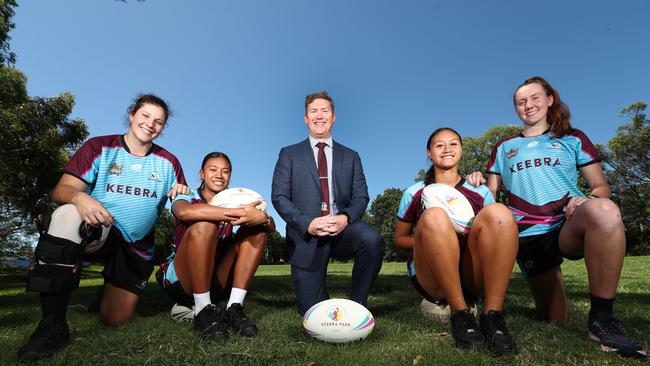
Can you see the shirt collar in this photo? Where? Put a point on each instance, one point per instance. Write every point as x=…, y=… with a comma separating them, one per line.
x=313, y=141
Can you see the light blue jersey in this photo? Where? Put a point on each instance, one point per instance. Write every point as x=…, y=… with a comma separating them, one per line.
x=540, y=175
x=132, y=188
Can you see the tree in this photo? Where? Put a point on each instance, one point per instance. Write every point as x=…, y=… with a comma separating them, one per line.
x=382, y=216
x=35, y=141
x=165, y=236
x=627, y=163
x=6, y=25
x=274, y=249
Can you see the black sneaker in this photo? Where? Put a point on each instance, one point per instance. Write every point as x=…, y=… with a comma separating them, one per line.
x=47, y=339
x=465, y=331
x=236, y=318
x=609, y=331
x=497, y=337
x=207, y=323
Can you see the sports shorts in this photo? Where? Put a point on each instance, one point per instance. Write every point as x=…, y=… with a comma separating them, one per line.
x=121, y=267
x=410, y=268
x=167, y=279
x=539, y=254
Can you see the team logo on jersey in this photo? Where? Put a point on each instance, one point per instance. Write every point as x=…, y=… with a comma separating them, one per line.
x=533, y=143
x=512, y=153
x=115, y=169
x=141, y=285
x=136, y=167
x=154, y=176
x=553, y=146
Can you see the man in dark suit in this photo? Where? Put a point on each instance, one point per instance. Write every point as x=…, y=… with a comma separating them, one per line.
x=320, y=191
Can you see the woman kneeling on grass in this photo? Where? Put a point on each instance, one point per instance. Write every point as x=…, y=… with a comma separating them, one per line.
x=210, y=260
x=539, y=169
x=454, y=268
x=118, y=183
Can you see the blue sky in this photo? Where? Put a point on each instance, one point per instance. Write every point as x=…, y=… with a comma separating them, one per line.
x=236, y=72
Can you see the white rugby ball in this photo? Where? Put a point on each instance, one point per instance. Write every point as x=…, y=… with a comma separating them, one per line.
x=182, y=314
x=338, y=321
x=453, y=202
x=236, y=197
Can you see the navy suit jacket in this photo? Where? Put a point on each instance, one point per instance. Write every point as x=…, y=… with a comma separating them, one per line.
x=296, y=194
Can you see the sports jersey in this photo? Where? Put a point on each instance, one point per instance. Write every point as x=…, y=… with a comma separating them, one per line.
x=195, y=196
x=166, y=274
x=411, y=208
x=132, y=188
x=540, y=175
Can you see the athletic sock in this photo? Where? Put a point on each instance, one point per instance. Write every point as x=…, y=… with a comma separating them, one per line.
x=54, y=306
x=600, y=305
x=201, y=301
x=237, y=296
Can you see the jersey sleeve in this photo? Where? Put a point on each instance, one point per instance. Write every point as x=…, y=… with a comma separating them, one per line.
x=586, y=152
x=487, y=195
x=404, y=204
x=494, y=164
x=84, y=163
x=410, y=203
x=184, y=197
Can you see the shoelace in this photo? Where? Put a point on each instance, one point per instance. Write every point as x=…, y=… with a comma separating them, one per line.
x=498, y=323
x=465, y=323
x=611, y=326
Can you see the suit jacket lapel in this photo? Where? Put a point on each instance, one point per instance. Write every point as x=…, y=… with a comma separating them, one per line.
x=310, y=163
x=337, y=156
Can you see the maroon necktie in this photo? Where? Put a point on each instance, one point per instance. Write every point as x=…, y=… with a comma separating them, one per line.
x=322, y=177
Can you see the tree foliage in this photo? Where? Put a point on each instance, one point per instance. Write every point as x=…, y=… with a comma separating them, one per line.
x=274, y=249
x=627, y=162
x=382, y=216
x=6, y=25
x=35, y=141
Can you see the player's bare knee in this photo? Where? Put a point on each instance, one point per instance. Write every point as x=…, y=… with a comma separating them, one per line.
x=604, y=213
x=202, y=229
x=435, y=219
x=497, y=214
x=115, y=319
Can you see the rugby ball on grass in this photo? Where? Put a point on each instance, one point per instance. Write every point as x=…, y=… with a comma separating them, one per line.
x=237, y=197
x=182, y=314
x=338, y=321
x=453, y=202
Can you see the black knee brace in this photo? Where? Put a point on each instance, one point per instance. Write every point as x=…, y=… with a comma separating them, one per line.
x=56, y=266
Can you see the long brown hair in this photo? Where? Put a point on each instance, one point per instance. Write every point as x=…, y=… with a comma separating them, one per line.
x=559, y=116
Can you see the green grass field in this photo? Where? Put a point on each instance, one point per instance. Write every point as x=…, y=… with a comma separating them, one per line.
x=401, y=333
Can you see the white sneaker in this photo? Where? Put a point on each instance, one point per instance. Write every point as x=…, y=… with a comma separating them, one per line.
x=182, y=314
x=441, y=313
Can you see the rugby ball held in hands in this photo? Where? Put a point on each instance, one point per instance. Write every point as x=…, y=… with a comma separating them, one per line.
x=453, y=202
x=338, y=321
x=237, y=197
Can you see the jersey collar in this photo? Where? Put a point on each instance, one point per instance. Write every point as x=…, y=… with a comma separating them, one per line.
x=126, y=147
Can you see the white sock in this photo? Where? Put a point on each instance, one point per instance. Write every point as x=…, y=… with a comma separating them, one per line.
x=201, y=301
x=237, y=296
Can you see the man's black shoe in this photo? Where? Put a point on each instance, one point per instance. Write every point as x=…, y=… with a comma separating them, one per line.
x=236, y=318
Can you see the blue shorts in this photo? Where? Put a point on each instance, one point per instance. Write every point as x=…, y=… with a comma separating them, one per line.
x=167, y=279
